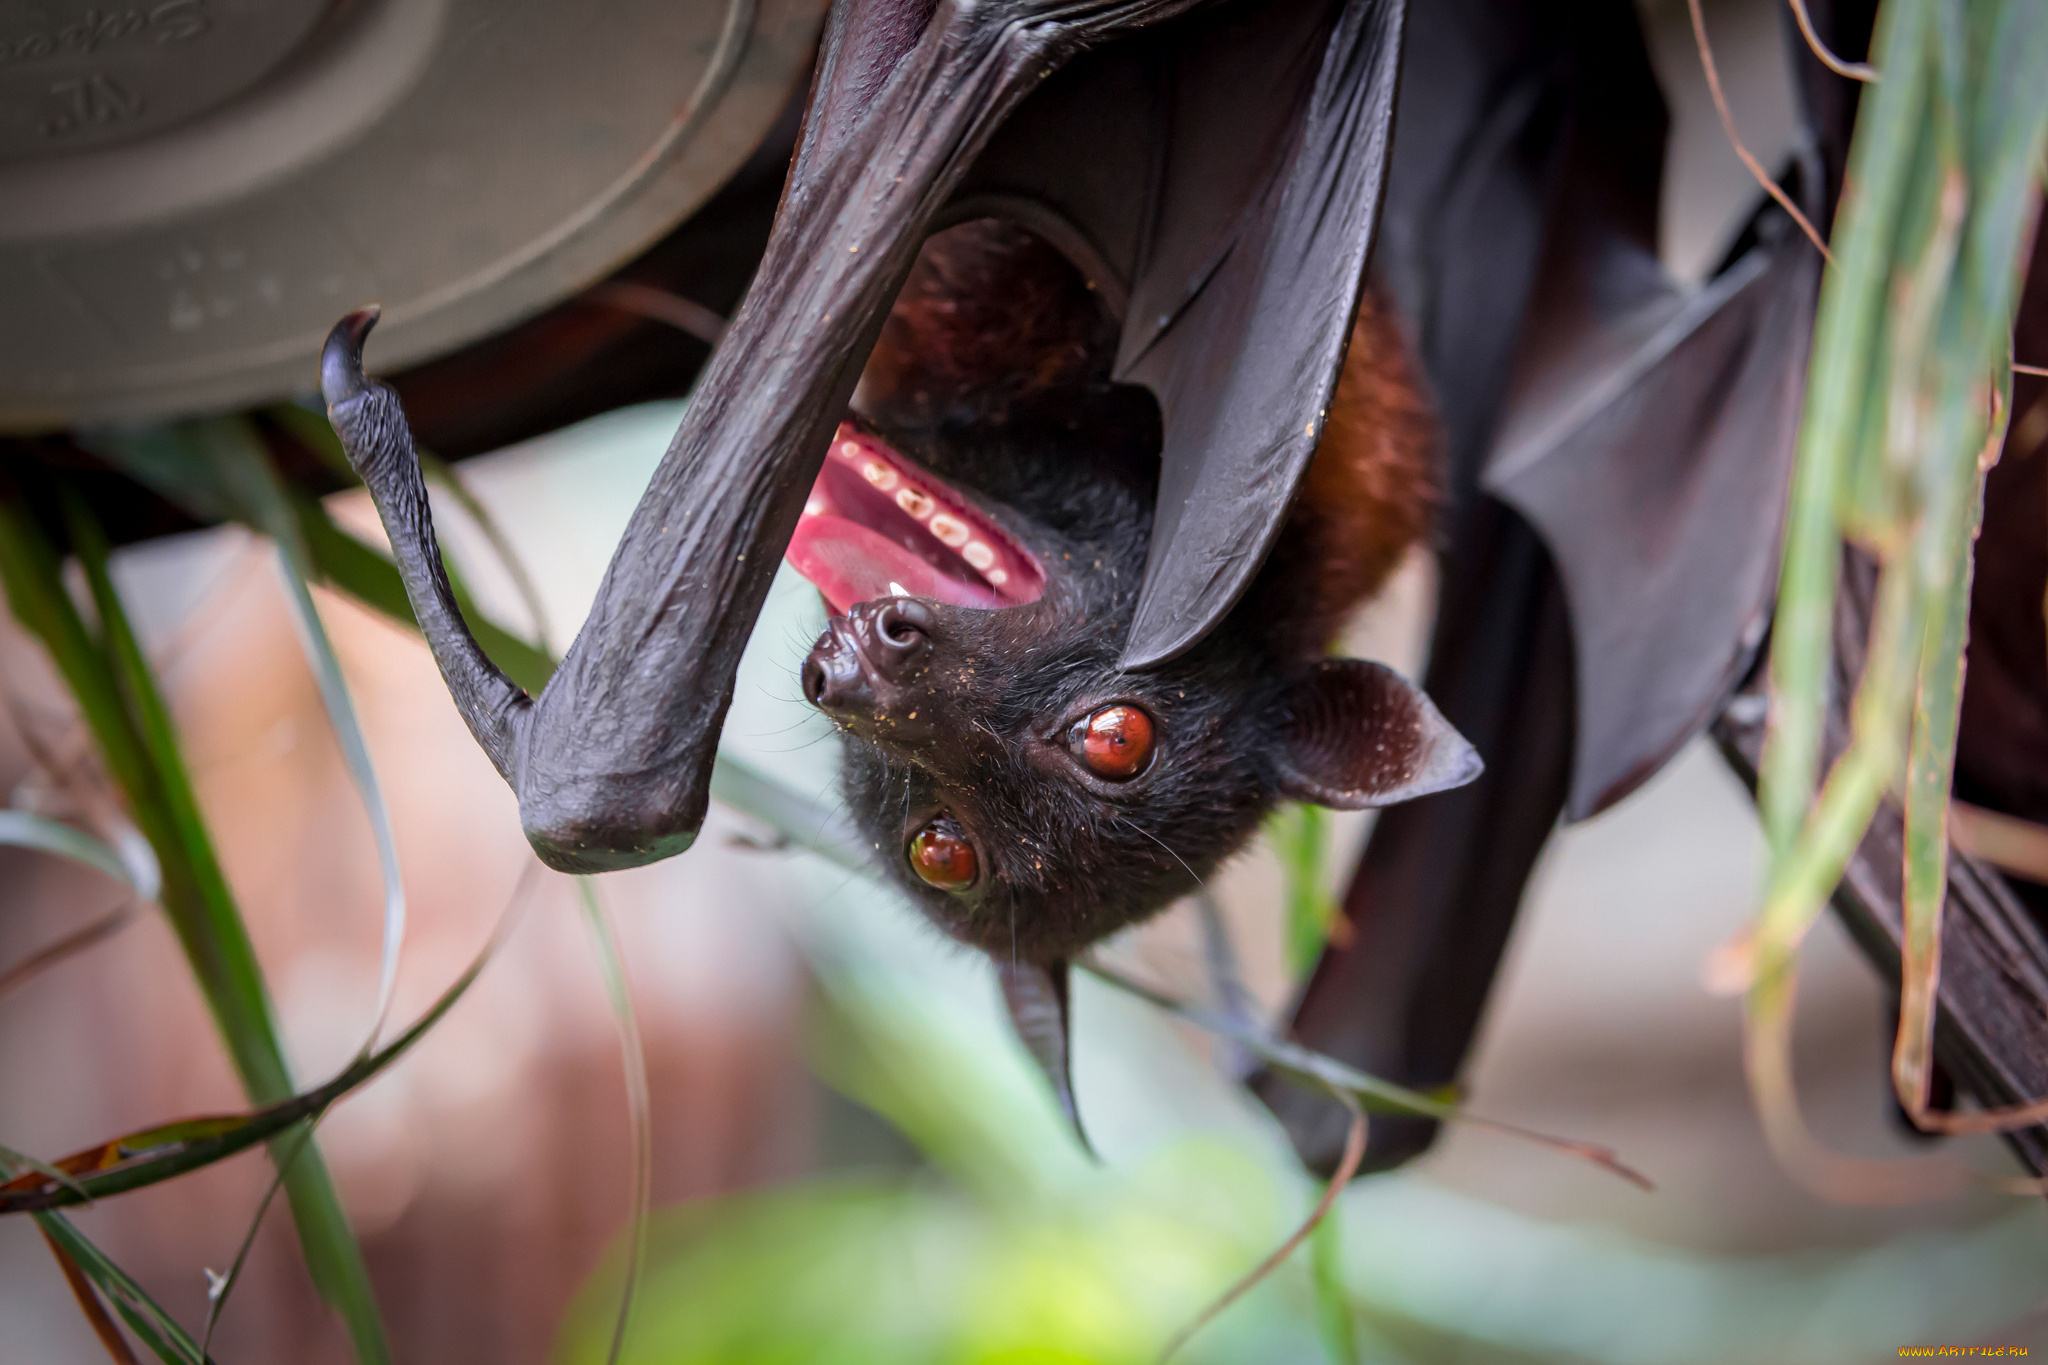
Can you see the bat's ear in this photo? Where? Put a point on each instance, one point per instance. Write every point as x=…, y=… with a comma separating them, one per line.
x=1358, y=734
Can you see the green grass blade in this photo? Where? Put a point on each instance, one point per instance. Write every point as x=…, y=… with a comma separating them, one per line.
x=1838, y=382
x=134, y=868
x=181, y=463
x=341, y=716
x=218, y=1290
x=117, y=693
x=312, y=430
x=152, y=1326
x=196, y=894
x=348, y=565
x=235, y=446
x=450, y=479
x=1321, y=1072
x=95, y=1310
x=1910, y=354
x=1930, y=768
x=1300, y=835
x=809, y=825
x=639, y=1101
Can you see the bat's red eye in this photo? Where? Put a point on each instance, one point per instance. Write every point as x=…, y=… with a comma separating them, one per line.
x=1115, y=742
x=942, y=857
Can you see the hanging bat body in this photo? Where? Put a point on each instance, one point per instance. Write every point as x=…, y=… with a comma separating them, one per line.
x=1080, y=663
x=980, y=539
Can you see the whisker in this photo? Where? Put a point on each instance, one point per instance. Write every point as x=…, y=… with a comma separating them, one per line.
x=1199, y=881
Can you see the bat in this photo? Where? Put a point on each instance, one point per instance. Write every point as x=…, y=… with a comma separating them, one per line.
x=1615, y=447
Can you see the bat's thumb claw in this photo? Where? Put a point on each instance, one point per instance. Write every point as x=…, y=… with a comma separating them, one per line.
x=341, y=359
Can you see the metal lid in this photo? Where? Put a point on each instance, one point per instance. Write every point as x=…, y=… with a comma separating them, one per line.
x=191, y=191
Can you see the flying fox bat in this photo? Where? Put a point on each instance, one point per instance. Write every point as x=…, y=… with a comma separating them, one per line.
x=1218, y=173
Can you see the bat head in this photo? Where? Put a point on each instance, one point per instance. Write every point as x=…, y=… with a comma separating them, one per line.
x=980, y=544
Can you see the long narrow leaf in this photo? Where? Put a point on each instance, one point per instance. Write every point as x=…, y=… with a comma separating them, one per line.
x=153, y=1327
x=135, y=868
x=89, y=1304
x=1903, y=415
x=348, y=565
x=1326, y=1073
x=117, y=695
x=312, y=430
x=234, y=445
x=639, y=1101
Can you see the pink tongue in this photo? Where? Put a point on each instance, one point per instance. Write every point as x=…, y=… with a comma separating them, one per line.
x=848, y=563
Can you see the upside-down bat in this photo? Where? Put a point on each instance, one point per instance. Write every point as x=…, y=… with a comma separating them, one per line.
x=1226, y=240
x=1616, y=452
x=979, y=538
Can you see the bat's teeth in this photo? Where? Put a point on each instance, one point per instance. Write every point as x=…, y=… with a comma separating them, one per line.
x=982, y=549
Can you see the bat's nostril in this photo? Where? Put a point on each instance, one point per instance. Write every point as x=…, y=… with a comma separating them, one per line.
x=832, y=677
x=903, y=623
x=881, y=647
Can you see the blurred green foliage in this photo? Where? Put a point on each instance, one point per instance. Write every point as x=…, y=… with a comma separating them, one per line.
x=1908, y=394
x=1299, y=834
x=1009, y=1244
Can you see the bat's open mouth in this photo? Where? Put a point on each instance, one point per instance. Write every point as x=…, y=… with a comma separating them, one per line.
x=878, y=526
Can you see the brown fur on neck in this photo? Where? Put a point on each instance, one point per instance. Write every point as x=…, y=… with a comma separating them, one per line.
x=1371, y=491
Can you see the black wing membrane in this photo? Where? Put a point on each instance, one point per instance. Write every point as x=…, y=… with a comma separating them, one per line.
x=1668, y=422
x=1618, y=487
x=1620, y=449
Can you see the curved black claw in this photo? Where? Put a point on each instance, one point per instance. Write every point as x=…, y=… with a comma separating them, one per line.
x=341, y=359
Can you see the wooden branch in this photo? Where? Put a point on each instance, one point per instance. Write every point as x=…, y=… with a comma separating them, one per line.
x=1991, y=1034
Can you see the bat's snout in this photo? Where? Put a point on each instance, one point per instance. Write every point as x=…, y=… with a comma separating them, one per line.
x=868, y=664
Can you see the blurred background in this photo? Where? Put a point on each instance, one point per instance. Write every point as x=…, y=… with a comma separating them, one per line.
x=852, y=1158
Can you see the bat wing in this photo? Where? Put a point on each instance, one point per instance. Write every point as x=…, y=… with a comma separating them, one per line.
x=1225, y=205
x=1618, y=455
x=1652, y=448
